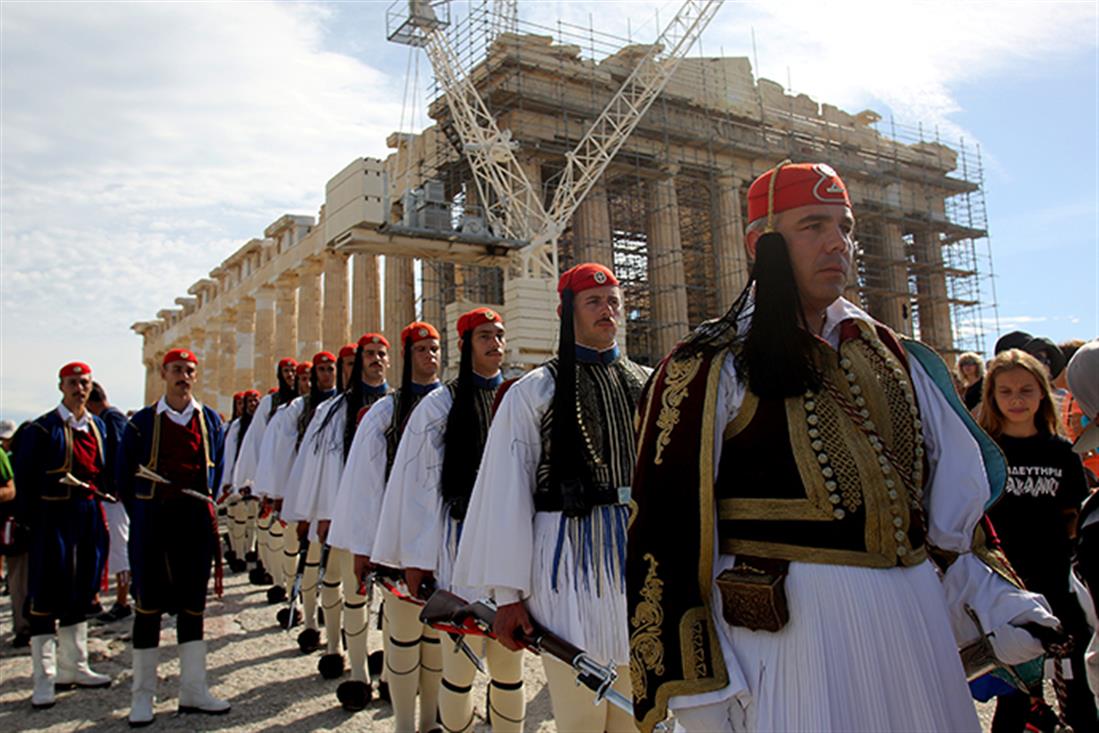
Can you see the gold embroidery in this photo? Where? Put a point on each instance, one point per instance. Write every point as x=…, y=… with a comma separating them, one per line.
x=692, y=644
x=646, y=649
x=678, y=374
x=772, y=509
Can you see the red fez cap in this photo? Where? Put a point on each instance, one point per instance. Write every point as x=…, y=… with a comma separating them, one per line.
x=238, y=396
x=373, y=338
x=324, y=357
x=74, y=369
x=251, y=393
x=287, y=362
x=273, y=390
x=418, y=331
x=796, y=184
x=477, y=316
x=180, y=355
x=348, y=350
x=584, y=277
x=304, y=367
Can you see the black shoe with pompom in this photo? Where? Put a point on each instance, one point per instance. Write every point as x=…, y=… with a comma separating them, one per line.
x=354, y=695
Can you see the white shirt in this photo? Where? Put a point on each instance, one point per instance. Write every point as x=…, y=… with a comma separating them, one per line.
x=179, y=418
x=83, y=424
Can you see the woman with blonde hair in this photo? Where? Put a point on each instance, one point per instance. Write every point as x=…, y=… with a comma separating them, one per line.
x=971, y=371
x=1035, y=515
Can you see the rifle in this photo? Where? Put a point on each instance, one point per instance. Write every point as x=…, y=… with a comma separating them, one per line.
x=392, y=580
x=445, y=607
x=295, y=589
x=146, y=473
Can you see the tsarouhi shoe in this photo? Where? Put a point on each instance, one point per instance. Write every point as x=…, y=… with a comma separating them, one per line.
x=194, y=696
x=331, y=666
x=276, y=594
x=309, y=641
x=354, y=695
x=72, y=659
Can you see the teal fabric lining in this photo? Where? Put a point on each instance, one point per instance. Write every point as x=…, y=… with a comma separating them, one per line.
x=993, y=457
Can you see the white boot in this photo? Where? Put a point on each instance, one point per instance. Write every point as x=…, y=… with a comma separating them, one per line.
x=194, y=696
x=44, y=659
x=72, y=658
x=143, y=690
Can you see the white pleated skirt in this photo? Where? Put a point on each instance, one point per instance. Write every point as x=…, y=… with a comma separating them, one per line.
x=865, y=650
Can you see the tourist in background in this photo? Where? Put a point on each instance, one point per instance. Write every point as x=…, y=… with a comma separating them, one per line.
x=971, y=372
x=1035, y=517
x=118, y=521
x=13, y=547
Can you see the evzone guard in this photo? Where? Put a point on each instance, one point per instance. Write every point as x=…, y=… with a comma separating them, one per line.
x=169, y=470
x=268, y=569
x=824, y=484
x=425, y=506
x=62, y=467
x=411, y=650
x=275, y=473
x=545, y=533
x=325, y=455
x=240, y=509
x=263, y=476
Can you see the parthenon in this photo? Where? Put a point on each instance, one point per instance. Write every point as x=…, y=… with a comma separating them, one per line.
x=406, y=237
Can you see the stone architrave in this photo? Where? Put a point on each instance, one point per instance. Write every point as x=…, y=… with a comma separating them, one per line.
x=728, y=241
x=667, y=279
x=263, y=339
x=335, y=323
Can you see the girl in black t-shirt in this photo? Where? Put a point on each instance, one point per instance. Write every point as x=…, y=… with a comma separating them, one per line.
x=1036, y=513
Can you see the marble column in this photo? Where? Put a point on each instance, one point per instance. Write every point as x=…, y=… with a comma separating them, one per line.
x=246, y=326
x=400, y=306
x=286, y=316
x=211, y=363
x=366, y=295
x=263, y=339
x=932, y=298
x=731, y=260
x=667, y=278
x=309, y=309
x=195, y=341
x=152, y=381
x=894, y=308
x=335, y=323
x=591, y=229
x=227, y=362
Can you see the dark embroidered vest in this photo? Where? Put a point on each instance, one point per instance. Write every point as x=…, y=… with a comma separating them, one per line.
x=834, y=476
x=179, y=453
x=606, y=397
x=83, y=458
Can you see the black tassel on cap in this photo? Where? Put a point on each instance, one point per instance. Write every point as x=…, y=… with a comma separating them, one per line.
x=462, y=452
x=568, y=466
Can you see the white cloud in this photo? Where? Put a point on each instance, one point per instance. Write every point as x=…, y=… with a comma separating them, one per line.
x=142, y=143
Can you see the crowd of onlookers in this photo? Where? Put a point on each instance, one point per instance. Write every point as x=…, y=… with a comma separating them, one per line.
x=1023, y=400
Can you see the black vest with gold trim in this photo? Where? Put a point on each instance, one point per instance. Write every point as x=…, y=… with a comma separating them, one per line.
x=833, y=476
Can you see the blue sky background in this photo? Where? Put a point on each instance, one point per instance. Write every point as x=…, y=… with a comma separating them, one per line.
x=140, y=144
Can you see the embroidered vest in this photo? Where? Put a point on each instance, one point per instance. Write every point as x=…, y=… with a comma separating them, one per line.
x=834, y=476
x=179, y=453
x=83, y=458
x=606, y=397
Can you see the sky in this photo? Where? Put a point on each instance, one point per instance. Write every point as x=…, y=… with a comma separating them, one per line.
x=142, y=143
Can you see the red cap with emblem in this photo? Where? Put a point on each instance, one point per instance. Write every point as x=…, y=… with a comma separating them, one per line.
x=347, y=350
x=287, y=362
x=796, y=184
x=373, y=338
x=74, y=369
x=304, y=367
x=418, y=331
x=476, y=317
x=251, y=393
x=324, y=357
x=238, y=396
x=180, y=355
x=584, y=277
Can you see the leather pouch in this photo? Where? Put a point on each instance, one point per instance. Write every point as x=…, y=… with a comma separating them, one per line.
x=753, y=593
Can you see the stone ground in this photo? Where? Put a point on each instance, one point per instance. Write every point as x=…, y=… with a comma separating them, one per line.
x=254, y=665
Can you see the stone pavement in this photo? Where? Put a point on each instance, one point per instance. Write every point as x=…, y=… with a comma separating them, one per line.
x=254, y=665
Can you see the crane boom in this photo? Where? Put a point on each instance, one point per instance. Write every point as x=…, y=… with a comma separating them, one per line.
x=586, y=163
